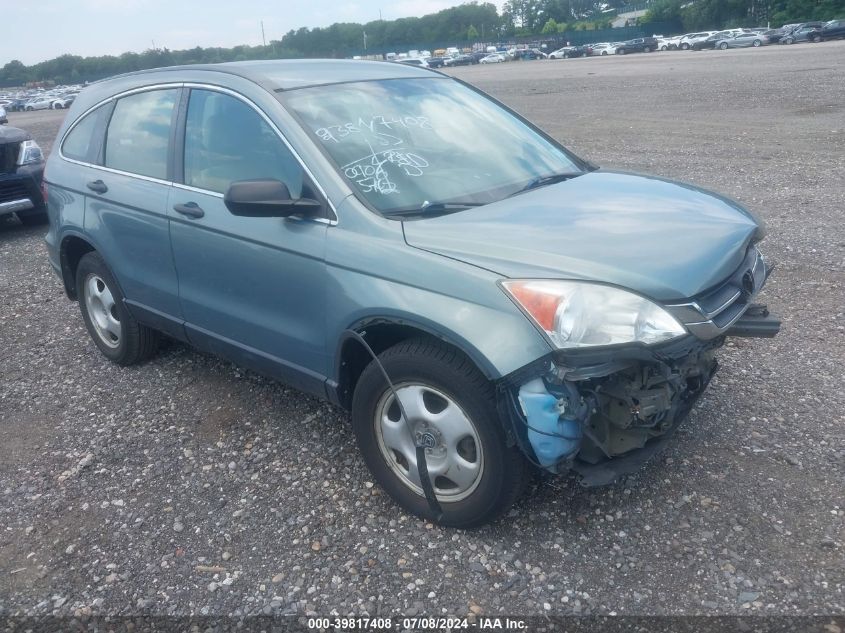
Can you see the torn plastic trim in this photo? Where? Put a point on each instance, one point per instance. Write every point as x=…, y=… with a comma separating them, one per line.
x=540, y=403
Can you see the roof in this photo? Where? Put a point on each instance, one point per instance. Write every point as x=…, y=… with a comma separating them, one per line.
x=289, y=74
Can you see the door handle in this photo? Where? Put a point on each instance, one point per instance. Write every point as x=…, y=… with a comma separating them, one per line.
x=97, y=186
x=191, y=209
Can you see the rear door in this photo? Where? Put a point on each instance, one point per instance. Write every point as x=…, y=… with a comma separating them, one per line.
x=251, y=289
x=126, y=207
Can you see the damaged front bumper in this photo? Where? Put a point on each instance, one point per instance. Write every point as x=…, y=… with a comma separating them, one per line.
x=603, y=414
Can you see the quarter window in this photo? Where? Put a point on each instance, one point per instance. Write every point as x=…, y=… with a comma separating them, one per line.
x=139, y=133
x=79, y=144
x=226, y=140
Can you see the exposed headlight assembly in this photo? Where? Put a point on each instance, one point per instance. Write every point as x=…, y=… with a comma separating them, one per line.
x=29, y=153
x=576, y=314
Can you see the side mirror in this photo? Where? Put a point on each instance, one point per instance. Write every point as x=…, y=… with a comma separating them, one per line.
x=266, y=199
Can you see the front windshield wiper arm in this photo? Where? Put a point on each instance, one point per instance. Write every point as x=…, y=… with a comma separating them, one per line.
x=430, y=209
x=551, y=179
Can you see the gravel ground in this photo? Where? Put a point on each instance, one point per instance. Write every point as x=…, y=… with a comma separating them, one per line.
x=187, y=485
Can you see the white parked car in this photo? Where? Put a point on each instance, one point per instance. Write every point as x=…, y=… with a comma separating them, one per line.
x=62, y=103
x=603, y=48
x=689, y=39
x=3, y=118
x=669, y=43
x=39, y=103
x=493, y=58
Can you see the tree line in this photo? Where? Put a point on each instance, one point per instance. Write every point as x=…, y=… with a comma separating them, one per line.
x=456, y=26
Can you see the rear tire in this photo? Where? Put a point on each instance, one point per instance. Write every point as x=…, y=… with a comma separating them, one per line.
x=757, y=43
x=422, y=367
x=684, y=46
x=114, y=331
x=723, y=46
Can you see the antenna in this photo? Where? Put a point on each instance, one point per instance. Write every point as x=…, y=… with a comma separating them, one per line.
x=263, y=39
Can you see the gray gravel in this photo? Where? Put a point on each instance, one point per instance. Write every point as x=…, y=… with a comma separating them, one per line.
x=190, y=486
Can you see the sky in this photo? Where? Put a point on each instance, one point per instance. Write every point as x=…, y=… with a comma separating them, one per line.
x=36, y=30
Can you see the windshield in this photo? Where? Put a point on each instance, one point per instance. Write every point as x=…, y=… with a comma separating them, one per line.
x=407, y=144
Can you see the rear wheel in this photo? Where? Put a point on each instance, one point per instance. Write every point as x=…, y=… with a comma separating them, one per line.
x=451, y=409
x=816, y=39
x=723, y=45
x=116, y=333
x=757, y=43
x=684, y=46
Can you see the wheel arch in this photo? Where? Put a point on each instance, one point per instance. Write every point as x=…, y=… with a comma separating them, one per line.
x=71, y=250
x=381, y=333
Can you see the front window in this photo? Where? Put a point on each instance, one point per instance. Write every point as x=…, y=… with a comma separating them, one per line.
x=407, y=144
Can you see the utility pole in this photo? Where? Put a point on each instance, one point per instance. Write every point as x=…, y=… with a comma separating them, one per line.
x=365, y=41
x=379, y=15
x=263, y=39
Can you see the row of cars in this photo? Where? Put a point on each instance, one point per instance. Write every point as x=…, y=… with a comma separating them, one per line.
x=729, y=38
x=56, y=99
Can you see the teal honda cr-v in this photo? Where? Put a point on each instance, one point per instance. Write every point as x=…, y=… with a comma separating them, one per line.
x=390, y=239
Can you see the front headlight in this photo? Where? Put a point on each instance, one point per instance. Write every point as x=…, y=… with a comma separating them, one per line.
x=29, y=153
x=577, y=314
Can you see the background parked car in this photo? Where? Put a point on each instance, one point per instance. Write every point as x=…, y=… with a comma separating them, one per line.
x=39, y=103
x=570, y=51
x=689, y=39
x=63, y=103
x=492, y=58
x=742, y=40
x=604, y=48
x=709, y=43
x=804, y=33
x=3, y=117
x=833, y=29
x=669, y=43
x=637, y=45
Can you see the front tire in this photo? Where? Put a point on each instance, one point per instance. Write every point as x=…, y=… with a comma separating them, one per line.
x=723, y=46
x=115, y=332
x=476, y=476
x=757, y=43
x=684, y=46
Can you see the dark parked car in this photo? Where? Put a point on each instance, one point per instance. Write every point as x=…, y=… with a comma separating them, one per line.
x=709, y=42
x=21, y=173
x=775, y=35
x=807, y=32
x=570, y=51
x=404, y=246
x=436, y=62
x=461, y=60
x=833, y=30
x=638, y=45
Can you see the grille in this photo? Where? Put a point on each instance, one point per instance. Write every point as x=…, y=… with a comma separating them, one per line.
x=710, y=314
x=8, y=157
x=12, y=190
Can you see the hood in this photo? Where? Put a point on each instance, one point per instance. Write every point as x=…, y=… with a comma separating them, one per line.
x=663, y=239
x=13, y=134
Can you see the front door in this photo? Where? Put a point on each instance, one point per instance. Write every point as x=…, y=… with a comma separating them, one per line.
x=252, y=289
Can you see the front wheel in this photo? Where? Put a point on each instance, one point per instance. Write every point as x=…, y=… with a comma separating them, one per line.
x=451, y=410
x=757, y=43
x=604, y=52
x=723, y=46
x=684, y=46
x=116, y=333
x=816, y=39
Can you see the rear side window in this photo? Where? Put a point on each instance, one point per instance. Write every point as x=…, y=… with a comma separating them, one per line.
x=139, y=133
x=227, y=140
x=80, y=143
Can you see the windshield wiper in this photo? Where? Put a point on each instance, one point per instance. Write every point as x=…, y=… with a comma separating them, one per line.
x=551, y=179
x=430, y=209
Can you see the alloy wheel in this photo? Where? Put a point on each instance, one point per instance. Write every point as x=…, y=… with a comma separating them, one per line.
x=453, y=452
x=102, y=310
